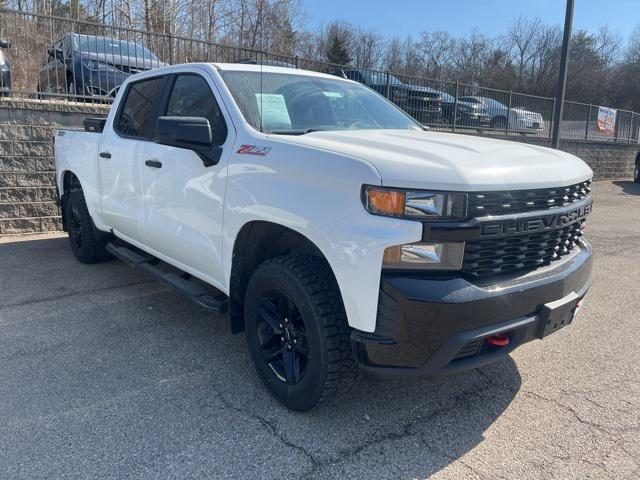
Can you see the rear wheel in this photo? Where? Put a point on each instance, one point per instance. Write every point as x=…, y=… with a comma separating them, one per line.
x=87, y=243
x=297, y=330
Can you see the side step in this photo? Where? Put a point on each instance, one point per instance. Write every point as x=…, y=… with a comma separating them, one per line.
x=180, y=283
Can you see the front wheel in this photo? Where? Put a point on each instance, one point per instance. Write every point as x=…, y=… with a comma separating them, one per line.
x=297, y=330
x=499, y=123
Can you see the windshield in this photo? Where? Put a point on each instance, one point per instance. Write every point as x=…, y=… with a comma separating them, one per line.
x=111, y=46
x=449, y=98
x=379, y=78
x=289, y=104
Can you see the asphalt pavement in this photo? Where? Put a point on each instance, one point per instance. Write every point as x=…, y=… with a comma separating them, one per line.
x=104, y=373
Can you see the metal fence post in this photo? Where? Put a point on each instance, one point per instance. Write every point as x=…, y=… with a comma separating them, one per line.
x=455, y=106
x=617, y=127
x=506, y=129
x=552, y=121
x=586, y=129
x=296, y=61
x=170, y=49
x=388, y=87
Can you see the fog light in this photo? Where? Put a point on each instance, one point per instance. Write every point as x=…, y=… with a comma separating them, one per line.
x=424, y=256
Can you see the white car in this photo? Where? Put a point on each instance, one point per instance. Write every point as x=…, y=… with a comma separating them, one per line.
x=517, y=119
x=333, y=226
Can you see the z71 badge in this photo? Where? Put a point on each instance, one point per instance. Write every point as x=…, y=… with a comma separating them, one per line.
x=253, y=150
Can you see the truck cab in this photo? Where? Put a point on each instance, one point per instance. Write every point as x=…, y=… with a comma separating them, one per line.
x=335, y=229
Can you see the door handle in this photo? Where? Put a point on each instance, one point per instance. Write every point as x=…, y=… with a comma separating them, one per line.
x=105, y=155
x=153, y=163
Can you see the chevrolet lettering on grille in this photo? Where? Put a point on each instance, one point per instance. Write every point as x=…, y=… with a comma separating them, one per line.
x=532, y=225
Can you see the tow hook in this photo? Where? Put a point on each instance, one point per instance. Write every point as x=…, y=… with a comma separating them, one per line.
x=498, y=340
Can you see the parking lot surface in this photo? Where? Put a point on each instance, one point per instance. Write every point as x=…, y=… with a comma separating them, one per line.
x=104, y=373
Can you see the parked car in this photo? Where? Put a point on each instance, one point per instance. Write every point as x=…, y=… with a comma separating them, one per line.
x=422, y=103
x=93, y=66
x=469, y=114
x=519, y=119
x=5, y=69
x=330, y=223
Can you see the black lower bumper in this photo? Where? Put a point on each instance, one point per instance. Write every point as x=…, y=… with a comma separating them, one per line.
x=433, y=326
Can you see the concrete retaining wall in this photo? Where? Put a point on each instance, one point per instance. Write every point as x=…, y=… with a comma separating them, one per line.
x=27, y=189
x=27, y=192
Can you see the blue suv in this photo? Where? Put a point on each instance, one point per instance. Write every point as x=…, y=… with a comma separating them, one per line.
x=87, y=65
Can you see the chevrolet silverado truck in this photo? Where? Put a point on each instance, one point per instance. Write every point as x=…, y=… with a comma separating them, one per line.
x=334, y=228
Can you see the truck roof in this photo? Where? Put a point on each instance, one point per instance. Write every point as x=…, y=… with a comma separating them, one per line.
x=242, y=67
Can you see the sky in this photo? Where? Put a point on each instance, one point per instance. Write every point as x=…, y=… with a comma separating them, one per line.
x=459, y=17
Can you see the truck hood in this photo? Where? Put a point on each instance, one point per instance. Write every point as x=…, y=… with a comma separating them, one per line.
x=123, y=60
x=447, y=161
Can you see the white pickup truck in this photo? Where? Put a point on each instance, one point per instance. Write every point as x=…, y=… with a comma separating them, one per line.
x=336, y=230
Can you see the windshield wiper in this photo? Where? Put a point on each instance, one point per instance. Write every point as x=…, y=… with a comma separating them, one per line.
x=296, y=132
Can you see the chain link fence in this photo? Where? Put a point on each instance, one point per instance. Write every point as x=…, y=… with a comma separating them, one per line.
x=56, y=59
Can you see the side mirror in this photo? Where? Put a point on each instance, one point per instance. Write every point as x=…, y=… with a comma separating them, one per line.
x=192, y=133
x=5, y=44
x=54, y=52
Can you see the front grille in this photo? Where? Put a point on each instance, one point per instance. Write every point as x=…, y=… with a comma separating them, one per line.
x=482, y=204
x=130, y=69
x=522, y=252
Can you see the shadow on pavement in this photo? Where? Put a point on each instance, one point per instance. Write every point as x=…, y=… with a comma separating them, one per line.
x=108, y=374
x=628, y=186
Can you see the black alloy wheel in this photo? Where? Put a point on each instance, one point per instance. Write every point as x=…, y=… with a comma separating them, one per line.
x=282, y=336
x=297, y=330
x=75, y=227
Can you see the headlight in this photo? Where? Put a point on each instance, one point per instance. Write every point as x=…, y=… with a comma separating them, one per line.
x=424, y=256
x=99, y=67
x=414, y=204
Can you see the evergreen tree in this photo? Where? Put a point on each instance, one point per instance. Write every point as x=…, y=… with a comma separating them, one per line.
x=337, y=51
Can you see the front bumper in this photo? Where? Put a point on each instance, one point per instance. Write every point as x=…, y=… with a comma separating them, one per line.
x=473, y=120
x=99, y=83
x=436, y=325
x=423, y=114
x=530, y=124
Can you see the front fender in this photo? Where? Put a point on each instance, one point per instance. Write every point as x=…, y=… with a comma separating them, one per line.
x=354, y=247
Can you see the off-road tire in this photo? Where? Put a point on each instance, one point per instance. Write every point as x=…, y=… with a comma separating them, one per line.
x=309, y=282
x=87, y=243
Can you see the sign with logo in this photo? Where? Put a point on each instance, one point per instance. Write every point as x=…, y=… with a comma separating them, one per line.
x=606, y=122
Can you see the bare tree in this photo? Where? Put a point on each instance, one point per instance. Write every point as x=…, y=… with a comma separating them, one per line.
x=522, y=36
x=436, y=51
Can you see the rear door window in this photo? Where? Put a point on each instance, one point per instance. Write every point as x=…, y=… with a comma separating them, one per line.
x=191, y=96
x=137, y=115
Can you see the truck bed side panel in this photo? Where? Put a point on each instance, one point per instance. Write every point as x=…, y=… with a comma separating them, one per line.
x=77, y=152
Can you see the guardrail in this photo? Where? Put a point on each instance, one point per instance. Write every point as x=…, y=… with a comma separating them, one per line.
x=73, y=60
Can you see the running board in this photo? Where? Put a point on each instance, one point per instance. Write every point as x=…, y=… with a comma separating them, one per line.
x=180, y=283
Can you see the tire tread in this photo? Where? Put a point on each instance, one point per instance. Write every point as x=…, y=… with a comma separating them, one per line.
x=315, y=276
